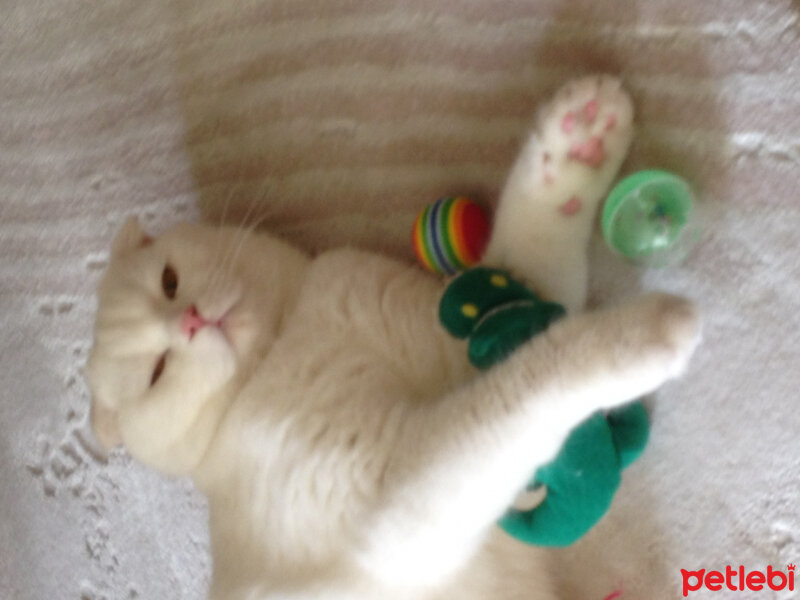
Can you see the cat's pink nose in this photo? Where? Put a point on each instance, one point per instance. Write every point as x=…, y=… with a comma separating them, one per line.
x=192, y=321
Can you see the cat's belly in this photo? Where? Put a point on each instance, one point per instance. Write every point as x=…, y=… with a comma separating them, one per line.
x=296, y=469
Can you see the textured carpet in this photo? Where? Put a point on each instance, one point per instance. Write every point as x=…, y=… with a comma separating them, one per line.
x=335, y=121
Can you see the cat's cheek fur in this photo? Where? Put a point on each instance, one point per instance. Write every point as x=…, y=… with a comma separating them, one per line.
x=160, y=427
x=105, y=426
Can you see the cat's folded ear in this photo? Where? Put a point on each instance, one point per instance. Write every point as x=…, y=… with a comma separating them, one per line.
x=130, y=237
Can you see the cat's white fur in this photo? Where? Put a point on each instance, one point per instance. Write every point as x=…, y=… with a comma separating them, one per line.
x=346, y=446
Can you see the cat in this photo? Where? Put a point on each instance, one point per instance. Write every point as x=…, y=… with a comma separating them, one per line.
x=345, y=444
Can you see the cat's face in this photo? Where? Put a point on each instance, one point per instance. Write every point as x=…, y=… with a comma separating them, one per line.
x=182, y=319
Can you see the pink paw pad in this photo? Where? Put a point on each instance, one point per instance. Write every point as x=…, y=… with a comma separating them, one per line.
x=592, y=152
x=590, y=111
x=611, y=122
x=568, y=123
x=570, y=207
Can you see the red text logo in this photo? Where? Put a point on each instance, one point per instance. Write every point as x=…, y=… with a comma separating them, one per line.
x=738, y=580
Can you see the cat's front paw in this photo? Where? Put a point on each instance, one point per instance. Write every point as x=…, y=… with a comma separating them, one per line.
x=671, y=328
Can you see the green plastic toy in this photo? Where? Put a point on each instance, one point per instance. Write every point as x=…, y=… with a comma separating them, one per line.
x=498, y=314
x=649, y=218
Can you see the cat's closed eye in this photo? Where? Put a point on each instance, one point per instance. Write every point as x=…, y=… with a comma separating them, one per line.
x=169, y=281
x=159, y=369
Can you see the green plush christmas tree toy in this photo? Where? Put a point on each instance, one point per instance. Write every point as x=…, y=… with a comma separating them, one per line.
x=498, y=314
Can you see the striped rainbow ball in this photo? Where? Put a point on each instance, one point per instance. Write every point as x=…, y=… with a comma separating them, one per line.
x=450, y=235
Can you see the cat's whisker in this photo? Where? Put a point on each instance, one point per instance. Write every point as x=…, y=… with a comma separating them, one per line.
x=246, y=234
x=235, y=246
x=225, y=252
x=225, y=206
x=218, y=242
x=239, y=232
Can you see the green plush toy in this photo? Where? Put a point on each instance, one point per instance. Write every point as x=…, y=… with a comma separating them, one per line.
x=498, y=314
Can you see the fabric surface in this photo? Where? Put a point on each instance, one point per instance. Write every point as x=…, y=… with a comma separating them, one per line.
x=335, y=122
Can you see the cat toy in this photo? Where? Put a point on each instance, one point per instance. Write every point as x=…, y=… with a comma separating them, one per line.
x=643, y=219
x=450, y=235
x=649, y=218
x=498, y=314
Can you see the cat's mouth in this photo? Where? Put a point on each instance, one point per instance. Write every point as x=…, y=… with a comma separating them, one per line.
x=192, y=321
x=223, y=324
x=223, y=328
x=235, y=328
x=235, y=325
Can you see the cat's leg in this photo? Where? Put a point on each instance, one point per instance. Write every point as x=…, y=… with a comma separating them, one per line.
x=458, y=462
x=545, y=215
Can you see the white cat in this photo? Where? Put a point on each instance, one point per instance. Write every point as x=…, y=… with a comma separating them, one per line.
x=346, y=446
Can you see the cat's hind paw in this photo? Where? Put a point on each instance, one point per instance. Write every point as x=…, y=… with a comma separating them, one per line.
x=588, y=122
